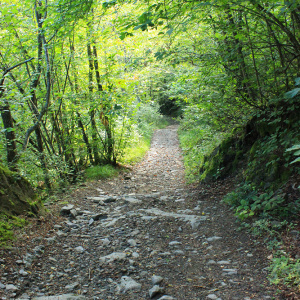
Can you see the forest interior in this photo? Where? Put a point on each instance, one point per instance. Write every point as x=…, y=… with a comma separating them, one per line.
x=184, y=114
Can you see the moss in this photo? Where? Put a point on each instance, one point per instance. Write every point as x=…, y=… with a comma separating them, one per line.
x=225, y=159
x=261, y=144
x=16, y=194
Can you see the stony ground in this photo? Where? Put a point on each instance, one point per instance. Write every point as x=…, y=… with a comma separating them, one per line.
x=143, y=235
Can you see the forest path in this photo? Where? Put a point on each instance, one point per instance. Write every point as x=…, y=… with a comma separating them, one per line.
x=139, y=236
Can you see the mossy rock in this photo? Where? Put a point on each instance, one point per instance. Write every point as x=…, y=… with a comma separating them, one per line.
x=17, y=196
x=226, y=158
x=260, y=147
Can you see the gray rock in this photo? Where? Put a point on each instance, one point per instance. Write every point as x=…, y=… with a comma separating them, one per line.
x=213, y=238
x=60, y=233
x=135, y=232
x=154, y=291
x=128, y=284
x=155, y=279
x=50, y=240
x=166, y=297
x=73, y=213
x=212, y=296
x=99, y=216
x=57, y=226
x=38, y=250
x=110, y=199
x=174, y=243
x=164, y=254
x=132, y=242
x=224, y=262
x=112, y=257
x=11, y=287
x=143, y=273
x=65, y=210
x=99, y=200
x=2, y=286
x=229, y=272
x=19, y=262
x=132, y=200
x=28, y=259
x=192, y=219
x=24, y=297
x=23, y=273
x=180, y=200
x=105, y=241
x=52, y=259
x=61, y=297
x=211, y=262
x=178, y=252
x=79, y=249
x=72, y=287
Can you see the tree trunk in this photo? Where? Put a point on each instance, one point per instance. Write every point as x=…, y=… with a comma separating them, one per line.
x=11, y=146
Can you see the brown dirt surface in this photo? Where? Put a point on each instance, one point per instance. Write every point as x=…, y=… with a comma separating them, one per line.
x=154, y=224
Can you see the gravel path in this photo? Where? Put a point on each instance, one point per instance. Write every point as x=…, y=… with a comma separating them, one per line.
x=143, y=235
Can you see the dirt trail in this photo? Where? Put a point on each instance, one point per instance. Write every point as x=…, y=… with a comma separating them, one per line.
x=139, y=236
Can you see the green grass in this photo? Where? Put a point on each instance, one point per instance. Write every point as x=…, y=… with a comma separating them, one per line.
x=136, y=152
x=100, y=172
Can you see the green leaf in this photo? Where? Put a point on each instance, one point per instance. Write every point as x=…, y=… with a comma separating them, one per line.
x=292, y=93
x=169, y=32
x=123, y=35
x=296, y=160
x=297, y=153
x=297, y=81
x=293, y=148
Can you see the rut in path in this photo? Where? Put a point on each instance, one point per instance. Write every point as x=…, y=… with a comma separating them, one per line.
x=145, y=235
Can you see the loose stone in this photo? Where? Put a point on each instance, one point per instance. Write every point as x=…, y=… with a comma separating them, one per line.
x=155, y=279
x=129, y=284
x=60, y=297
x=112, y=257
x=224, y=262
x=212, y=296
x=79, y=249
x=213, y=238
x=11, y=287
x=155, y=291
x=71, y=287
x=65, y=210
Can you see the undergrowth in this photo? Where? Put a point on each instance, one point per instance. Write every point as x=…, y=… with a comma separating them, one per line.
x=146, y=119
x=7, y=226
x=100, y=172
x=270, y=216
x=197, y=139
x=136, y=151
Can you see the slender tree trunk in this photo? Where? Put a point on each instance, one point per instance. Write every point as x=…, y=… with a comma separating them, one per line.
x=103, y=117
x=92, y=111
x=11, y=146
x=79, y=121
